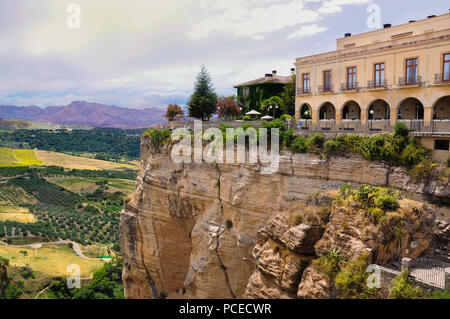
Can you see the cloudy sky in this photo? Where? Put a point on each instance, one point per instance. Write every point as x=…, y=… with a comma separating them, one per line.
x=142, y=53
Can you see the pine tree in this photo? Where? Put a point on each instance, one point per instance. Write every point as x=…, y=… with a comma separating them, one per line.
x=202, y=104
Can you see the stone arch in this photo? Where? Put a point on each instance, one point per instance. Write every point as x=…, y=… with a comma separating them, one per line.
x=327, y=111
x=351, y=111
x=441, y=108
x=379, y=109
x=305, y=111
x=410, y=109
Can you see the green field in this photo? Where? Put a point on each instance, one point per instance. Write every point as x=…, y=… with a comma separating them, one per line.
x=89, y=185
x=45, y=192
x=19, y=157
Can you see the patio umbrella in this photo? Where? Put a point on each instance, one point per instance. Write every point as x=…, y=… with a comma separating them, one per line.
x=267, y=117
x=253, y=112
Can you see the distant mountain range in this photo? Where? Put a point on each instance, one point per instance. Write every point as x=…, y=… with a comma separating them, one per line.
x=81, y=112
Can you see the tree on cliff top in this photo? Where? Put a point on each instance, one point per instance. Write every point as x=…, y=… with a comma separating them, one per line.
x=202, y=104
x=172, y=111
x=227, y=107
x=288, y=98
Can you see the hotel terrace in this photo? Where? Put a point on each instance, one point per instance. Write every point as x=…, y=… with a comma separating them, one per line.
x=376, y=79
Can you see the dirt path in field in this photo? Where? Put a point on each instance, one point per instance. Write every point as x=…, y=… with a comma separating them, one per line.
x=75, y=246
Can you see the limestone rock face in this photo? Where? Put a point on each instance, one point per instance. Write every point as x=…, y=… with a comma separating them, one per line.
x=442, y=231
x=314, y=285
x=287, y=255
x=192, y=230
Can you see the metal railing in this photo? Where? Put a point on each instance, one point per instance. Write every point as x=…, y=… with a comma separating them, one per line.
x=405, y=82
x=301, y=90
x=374, y=85
x=346, y=87
x=326, y=89
x=442, y=78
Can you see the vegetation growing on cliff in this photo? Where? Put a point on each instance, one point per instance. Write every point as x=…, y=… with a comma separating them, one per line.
x=157, y=138
x=403, y=288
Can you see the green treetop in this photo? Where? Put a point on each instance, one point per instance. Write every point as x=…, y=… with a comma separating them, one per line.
x=202, y=104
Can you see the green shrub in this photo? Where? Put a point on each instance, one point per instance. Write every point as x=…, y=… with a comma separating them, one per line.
x=246, y=118
x=448, y=162
x=386, y=202
x=403, y=288
x=315, y=143
x=366, y=195
x=376, y=213
x=413, y=154
x=288, y=137
x=332, y=147
x=298, y=219
x=346, y=190
x=351, y=280
x=223, y=127
x=329, y=264
x=285, y=117
x=441, y=294
x=299, y=144
x=400, y=129
x=276, y=123
x=422, y=171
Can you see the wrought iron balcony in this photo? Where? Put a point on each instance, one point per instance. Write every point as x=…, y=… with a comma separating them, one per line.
x=405, y=82
x=442, y=78
x=371, y=85
x=301, y=90
x=347, y=87
x=327, y=89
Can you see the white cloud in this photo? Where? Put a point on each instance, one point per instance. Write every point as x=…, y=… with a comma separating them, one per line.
x=249, y=18
x=334, y=6
x=305, y=31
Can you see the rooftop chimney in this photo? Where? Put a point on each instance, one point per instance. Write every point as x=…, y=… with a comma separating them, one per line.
x=274, y=73
x=268, y=76
x=348, y=35
x=292, y=71
x=387, y=25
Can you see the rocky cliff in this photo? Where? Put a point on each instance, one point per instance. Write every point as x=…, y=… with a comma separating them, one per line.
x=194, y=230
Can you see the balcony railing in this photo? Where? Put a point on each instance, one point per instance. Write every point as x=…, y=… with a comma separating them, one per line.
x=371, y=85
x=327, y=89
x=405, y=82
x=442, y=78
x=301, y=90
x=346, y=87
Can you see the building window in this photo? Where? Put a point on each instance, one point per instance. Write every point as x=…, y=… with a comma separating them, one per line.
x=442, y=145
x=327, y=80
x=379, y=75
x=306, y=88
x=351, y=78
x=411, y=71
x=446, y=68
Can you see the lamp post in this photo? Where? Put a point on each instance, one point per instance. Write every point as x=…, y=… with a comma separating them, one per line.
x=371, y=118
x=306, y=117
x=273, y=108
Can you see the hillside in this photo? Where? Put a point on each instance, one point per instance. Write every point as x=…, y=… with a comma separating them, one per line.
x=81, y=112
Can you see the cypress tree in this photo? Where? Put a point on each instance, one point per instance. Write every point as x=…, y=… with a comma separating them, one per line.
x=202, y=104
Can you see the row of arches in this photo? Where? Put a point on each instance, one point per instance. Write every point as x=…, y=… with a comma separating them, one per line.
x=409, y=109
